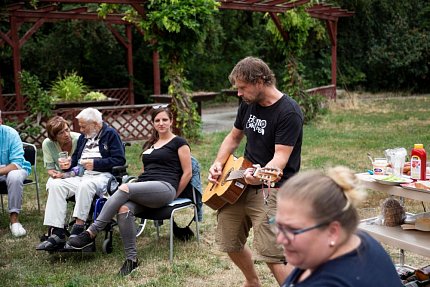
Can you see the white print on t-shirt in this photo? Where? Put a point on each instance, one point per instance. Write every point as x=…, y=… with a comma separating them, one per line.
x=256, y=124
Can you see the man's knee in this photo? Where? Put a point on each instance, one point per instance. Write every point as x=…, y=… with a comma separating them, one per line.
x=15, y=177
x=55, y=184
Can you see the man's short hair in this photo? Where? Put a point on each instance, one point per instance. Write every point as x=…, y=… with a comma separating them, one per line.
x=90, y=115
x=252, y=70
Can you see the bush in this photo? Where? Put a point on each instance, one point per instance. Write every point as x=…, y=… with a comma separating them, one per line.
x=69, y=88
x=311, y=105
x=38, y=100
x=95, y=96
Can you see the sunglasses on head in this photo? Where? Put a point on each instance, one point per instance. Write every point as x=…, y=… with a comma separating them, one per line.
x=155, y=107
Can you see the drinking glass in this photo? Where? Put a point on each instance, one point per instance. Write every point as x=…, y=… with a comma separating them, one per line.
x=63, y=159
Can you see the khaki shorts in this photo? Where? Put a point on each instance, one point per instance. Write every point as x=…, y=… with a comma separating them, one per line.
x=236, y=220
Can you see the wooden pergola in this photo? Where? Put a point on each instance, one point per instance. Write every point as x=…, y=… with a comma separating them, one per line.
x=49, y=12
x=328, y=13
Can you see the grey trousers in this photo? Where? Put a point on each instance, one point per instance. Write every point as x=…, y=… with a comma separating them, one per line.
x=152, y=194
x=15, y=184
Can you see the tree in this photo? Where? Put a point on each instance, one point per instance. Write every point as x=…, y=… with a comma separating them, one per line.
x=306, y=39
x=175, y=29
x=386, y=45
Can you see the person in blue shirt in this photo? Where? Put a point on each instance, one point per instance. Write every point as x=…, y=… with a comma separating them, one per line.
x=14, y=169
x=316, y=222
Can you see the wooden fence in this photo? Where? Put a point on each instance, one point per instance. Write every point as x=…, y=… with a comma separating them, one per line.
x=328, y=91
x=133, y=122
x=8, y=102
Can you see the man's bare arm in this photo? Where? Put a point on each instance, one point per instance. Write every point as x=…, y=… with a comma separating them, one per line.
x=228, y=146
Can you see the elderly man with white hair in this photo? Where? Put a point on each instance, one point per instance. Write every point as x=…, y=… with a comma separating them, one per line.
x=99, y=149
x=13, y=170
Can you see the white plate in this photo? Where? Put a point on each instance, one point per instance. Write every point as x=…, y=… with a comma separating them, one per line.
x=411, y=186
x=411, y=218
x=385, y=179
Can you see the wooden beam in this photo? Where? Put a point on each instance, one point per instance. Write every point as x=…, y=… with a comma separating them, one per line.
x=253, y=8
x=34, y=16
x=95, y=1
x=117, y=35
x=14, y=27
x=139, y=9
x=31, y=31
x=278, y=24
x=274, y=6
x=130, y=66
x=6, y=38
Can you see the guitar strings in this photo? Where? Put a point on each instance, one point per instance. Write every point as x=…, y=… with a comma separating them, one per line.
x=266, y=195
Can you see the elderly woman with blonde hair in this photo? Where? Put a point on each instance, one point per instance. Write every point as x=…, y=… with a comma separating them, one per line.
x=316, y=223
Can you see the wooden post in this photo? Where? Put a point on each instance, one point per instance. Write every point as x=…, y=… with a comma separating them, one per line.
x=16, y=62
x=130, y=66
x=2, y=107
x=156, y=72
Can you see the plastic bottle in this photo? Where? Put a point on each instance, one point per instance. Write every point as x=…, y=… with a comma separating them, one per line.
x=379, y=166
x=418, y=162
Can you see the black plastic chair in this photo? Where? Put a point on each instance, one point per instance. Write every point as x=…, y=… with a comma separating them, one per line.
x=189, y=198
x=30, y=155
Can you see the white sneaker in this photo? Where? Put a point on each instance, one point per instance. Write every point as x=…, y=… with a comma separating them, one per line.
x=17, y=229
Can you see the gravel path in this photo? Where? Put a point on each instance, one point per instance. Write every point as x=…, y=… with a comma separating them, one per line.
x=219, y=118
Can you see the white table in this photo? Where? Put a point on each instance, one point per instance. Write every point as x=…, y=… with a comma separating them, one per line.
x=411, y=240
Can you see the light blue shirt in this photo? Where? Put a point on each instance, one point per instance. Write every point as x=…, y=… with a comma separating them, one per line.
x=11, y=150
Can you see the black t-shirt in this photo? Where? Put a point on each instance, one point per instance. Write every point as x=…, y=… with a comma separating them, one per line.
x=367, y=266
x=163, y=164
x=280, y=123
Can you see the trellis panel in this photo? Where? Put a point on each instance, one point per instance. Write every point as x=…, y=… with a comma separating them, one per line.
x=133, y=122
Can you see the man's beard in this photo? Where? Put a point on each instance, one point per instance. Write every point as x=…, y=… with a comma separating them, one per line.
x=91, y=134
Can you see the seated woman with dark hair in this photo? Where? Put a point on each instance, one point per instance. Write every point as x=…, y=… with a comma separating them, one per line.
x=166, y=162
x=316, y=222
x=60, y=140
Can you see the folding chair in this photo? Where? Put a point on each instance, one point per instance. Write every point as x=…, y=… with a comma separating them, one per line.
x=30, y=155
x=190, y=199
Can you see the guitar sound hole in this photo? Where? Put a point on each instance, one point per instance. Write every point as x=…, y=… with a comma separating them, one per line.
x=226, y=176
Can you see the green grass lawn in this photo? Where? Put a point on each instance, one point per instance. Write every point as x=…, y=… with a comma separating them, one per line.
x=355, y=125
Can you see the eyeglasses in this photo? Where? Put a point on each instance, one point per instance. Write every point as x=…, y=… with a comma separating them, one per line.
x=289, y=233
x=156, y=107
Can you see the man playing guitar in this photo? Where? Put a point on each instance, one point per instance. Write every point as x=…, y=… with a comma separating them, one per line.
x=273, y=125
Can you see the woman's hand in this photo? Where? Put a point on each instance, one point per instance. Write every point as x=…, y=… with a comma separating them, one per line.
x=55, y=174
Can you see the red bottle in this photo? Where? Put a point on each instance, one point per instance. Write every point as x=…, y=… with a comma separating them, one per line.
x=418, y=162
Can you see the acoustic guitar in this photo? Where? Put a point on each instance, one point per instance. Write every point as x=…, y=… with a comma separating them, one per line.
x=231, y=183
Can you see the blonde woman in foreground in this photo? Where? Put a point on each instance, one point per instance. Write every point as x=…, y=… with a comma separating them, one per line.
x=316, y=222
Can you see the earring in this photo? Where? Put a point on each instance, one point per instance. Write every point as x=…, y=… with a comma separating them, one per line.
x=332, y=243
